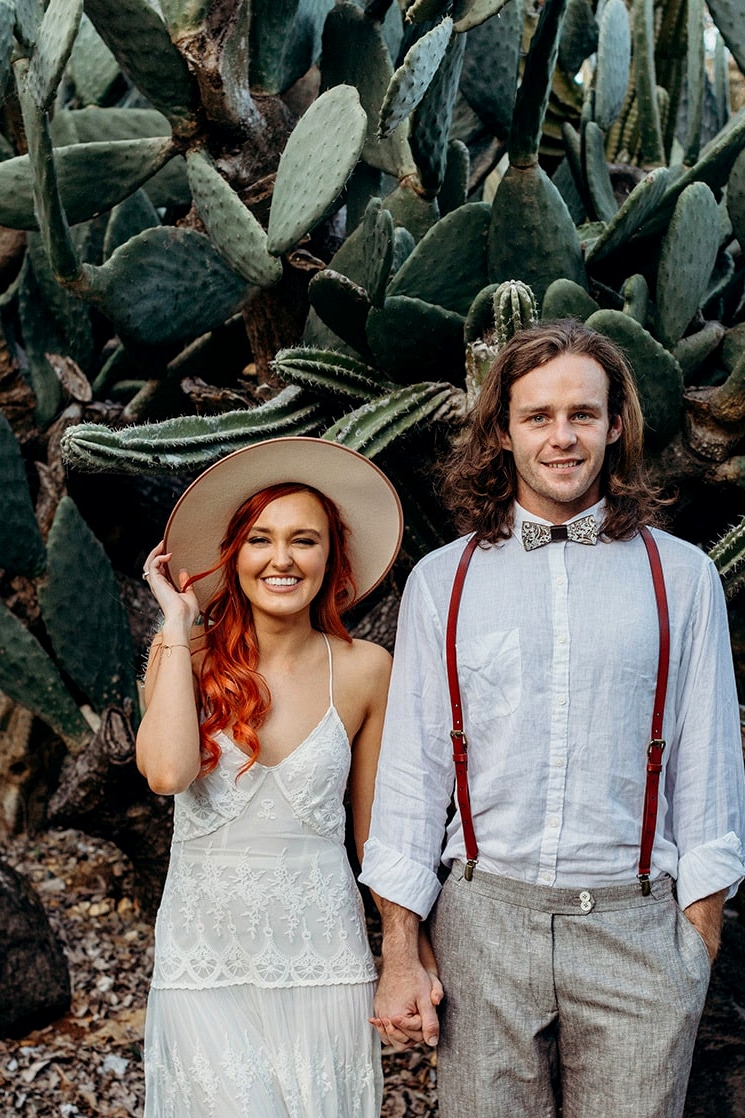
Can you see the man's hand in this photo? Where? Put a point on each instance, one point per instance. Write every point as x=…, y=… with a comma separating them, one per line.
x=405, y=1004
x=409, y=989
x=706, y=917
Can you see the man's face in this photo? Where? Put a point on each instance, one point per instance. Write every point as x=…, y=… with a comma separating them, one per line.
x=558, y=432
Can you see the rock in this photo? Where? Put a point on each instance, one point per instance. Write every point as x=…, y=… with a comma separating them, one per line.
x=34, y=979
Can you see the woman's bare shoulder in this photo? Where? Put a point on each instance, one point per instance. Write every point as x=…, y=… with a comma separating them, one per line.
x=363, y=656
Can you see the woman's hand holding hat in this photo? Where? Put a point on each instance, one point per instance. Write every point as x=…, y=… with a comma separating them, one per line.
x=180, y=607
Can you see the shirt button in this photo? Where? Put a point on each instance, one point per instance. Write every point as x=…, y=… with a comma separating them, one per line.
x=553, y=821
x=546, y=876
x=561, y=702
x=560, y=582
x=559, y=762
x=562, y=639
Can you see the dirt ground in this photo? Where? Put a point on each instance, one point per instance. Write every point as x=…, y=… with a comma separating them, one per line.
x=89, y=1064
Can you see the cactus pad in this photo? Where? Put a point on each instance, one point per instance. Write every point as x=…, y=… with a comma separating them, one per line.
x=91, y=178
x=165, y=286
x=460, y=239
x=643, y=201
x=410, y=338
x=305, y=191
x=658, y=375
x=566, y=299
x=411, y=80
x=468, y=14
x=614, y=60
x=53, y=47
x=689, y=250
x=343, y=305
x=103, y=668
x=377, y=231
x=21, y=547
x=532, y=236
x=139, y=40
x=232, y=228
x=355, y=53
x=29, y=677
x=727, y=15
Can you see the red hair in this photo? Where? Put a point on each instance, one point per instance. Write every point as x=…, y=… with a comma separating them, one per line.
x=234, y=694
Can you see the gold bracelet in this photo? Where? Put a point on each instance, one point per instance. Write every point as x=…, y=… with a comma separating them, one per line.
x=168, y=647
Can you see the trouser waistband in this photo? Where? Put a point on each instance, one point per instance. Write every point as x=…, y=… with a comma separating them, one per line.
x=576, y=901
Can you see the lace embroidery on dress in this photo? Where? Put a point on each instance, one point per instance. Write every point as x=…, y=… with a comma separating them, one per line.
x=285, y=911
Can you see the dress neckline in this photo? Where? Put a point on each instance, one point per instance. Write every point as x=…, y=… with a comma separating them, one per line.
x=331, y=709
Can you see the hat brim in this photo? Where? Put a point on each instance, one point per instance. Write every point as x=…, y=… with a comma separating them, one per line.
x=366, y=500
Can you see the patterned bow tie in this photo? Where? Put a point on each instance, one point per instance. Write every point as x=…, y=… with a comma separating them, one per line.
x=584, y=530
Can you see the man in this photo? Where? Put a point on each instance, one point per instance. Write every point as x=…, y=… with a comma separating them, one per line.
x=570, y=979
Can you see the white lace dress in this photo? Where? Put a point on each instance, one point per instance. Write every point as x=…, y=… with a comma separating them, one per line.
x=263, y=979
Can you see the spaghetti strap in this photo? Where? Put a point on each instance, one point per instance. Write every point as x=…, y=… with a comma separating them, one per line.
x=331, y=670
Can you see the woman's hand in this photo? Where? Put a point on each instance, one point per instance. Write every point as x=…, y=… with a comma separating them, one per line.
x=179, y=606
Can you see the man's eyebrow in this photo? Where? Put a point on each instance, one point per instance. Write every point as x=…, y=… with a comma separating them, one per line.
x=594, y=405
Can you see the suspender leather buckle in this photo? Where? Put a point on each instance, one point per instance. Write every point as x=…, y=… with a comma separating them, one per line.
x=655, y=749
x=458, y=737
x=468, y=871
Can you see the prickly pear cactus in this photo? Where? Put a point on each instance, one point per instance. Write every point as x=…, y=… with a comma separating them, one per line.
x=81, y=615
x=295, y=219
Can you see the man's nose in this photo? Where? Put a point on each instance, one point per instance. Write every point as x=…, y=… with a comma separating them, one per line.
x=563, y=433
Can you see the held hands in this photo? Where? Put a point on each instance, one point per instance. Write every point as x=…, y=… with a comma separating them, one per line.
x=178, y=605
x=405, y=1004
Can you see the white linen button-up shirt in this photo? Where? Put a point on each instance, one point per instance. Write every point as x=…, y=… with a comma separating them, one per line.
x=557, y=655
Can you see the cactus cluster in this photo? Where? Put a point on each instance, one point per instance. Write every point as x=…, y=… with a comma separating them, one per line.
x=80, y=657
x=371, y=193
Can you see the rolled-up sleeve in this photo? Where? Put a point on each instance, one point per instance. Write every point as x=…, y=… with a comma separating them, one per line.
x=705, y=780
x=415, y=771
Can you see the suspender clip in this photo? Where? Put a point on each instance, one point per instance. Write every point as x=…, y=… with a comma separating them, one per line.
x=644, y=882
x=458, y=737
x=468, y=872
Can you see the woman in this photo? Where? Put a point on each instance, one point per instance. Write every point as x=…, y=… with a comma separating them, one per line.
x=257, y=713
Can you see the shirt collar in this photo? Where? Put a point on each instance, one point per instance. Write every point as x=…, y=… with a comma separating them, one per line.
x=597, y=510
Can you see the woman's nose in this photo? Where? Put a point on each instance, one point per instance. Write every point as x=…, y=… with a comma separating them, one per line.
x=282, y=559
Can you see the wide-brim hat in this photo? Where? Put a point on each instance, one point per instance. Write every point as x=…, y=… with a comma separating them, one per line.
x=367, y=503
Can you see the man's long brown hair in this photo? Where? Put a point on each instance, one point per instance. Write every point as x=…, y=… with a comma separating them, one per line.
x=479, y=478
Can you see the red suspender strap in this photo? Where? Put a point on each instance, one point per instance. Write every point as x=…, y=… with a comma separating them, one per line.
x=460, y=744
x=656, y=745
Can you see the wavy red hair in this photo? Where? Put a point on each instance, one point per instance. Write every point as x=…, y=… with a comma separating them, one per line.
x=233, y=692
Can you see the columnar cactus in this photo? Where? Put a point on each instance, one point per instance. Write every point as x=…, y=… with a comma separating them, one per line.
x=323, y=180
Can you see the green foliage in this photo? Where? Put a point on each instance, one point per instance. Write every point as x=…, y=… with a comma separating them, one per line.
x=91, y=641
x=83, y=617
x=212, y=180
x=21, y=548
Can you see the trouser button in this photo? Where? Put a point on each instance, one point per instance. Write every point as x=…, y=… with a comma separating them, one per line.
x=586, y=901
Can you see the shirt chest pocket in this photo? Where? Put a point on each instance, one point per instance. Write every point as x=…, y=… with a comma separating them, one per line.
x=490, y=675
